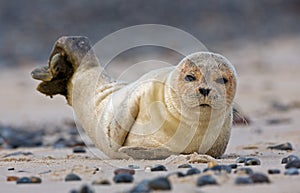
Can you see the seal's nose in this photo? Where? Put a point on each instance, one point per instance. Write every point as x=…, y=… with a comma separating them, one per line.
x=204, y=91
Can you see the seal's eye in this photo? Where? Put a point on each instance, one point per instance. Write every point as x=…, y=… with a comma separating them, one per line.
x=222, y=80
x=190, y=78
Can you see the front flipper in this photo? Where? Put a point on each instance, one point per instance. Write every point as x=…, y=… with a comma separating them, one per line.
x=146, y=153
x=66, y=56
x=55, y=76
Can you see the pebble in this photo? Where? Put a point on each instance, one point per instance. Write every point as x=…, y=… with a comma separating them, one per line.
x=259, y=178
x=35, y=180
x=273, y=171
x=233, y=166
x=212, y=164
x=240, y=160
x=243, y=180
x=83, y=189
x=193, y=171
x=185, y=166
x=160, y=183
x=86, y=189
x=242, y=171
x=252, y=162
x=293, y=164
x=133, y=167
x=10, y=169
x=124, y=171
x=11, y=178
x=79, y=149
x=101, y=182
x=291, y=171
x=141, y=187
x=206, y=180
x=24, y=180
x=123, y=178
x=219, y=169
x=180, y=174
x=72, y=177
x=285, y=147
x=289, y=159
x=158, y=168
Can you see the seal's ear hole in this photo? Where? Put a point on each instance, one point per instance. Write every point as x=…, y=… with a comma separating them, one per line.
x=189, y=78
x=222, y=80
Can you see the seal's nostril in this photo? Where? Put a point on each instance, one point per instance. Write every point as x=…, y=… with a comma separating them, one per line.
x=204, y=91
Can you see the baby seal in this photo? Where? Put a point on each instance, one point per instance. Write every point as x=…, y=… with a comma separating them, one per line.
x=183, y=109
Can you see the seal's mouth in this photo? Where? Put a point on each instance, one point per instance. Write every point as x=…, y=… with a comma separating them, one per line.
x=204, y=105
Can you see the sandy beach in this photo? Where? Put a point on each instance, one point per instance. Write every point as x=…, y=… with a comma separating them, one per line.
x=268, y=94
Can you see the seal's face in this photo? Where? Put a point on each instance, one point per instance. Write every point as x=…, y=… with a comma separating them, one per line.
x=205, y=80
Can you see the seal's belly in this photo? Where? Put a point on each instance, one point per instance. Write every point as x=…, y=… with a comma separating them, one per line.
x=159, y=129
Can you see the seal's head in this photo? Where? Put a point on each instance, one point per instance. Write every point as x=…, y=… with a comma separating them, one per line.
x=205, y=80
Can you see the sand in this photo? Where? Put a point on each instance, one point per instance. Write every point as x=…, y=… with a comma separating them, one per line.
x=268, y=93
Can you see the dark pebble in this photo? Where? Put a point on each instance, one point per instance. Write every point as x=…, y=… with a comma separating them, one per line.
x=180, y=174
x=233, y=166
x=259, y=178
x=284, y=147
x=160, y=183
x=243, y=180
x=35, y=180
x=293, y=164
x=240, y=160
x=185, y=166
x=86, y=189
x=291, y=171
x=206, y=180
x=124, y=171
x=273, y=171
x=72, y=177
x=133, y=167
x=24, y=180
x=83, y=189
x=141, y=187
x=79, y=149
x=193, y=171
x=247, y=171
x=158, y=168
x=10, y=169
x=289, y=158
x=219, y=169
x=123, y=178
x=252, y=162
x=101, y=182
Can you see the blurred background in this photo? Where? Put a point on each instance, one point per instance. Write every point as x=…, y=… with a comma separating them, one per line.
x=28, y=29
x=261, y=38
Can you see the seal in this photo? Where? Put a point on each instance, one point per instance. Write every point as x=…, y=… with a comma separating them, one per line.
x=181, y=109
